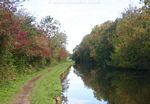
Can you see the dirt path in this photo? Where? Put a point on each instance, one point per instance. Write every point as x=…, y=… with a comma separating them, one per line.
x=24, y=95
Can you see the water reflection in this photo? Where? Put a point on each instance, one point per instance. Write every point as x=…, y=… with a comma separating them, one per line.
x=106, y=86
x=117, y=86
x=76, y=92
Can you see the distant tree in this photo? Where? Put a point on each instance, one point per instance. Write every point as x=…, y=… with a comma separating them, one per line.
x=123, y=43
x=50, y=26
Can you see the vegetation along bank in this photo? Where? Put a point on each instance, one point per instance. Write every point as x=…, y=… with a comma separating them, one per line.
x=123, y=43
x=28, y=49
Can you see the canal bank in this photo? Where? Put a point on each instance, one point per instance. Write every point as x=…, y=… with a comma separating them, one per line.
x=48, y=87
x=22, y=89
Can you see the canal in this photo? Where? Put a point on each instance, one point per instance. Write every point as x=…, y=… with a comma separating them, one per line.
x=85, y=85
x=76, y=92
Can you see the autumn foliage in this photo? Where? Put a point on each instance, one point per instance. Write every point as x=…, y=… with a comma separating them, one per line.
x=26, y=45
x=123, y=43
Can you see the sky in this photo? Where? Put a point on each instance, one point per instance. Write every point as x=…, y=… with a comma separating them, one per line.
x=78, y=17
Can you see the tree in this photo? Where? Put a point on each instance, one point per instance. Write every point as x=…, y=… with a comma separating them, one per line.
x=50, y=26
x=9, y=31
x=146, y=2
x=132, y=41
x=24, y=44
x=124, y=43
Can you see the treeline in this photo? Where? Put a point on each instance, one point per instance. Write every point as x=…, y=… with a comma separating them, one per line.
x=25, y=44
x=124, y=43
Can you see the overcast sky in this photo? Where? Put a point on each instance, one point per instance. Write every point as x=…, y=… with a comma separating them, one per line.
x=78, y=17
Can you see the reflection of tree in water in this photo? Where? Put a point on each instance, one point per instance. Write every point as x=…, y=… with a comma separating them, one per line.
x=65, y=100
x=118, y=87
x=65, y=86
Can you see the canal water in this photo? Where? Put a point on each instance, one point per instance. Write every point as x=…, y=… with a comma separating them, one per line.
x=85, y=85
x=76, y=92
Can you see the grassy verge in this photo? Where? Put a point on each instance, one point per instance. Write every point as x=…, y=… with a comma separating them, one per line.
x=8, y=91
x=48, y=87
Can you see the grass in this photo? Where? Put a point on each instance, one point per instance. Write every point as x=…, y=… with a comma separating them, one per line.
x=8, y=92
x=49, y=86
